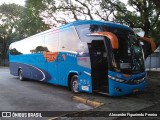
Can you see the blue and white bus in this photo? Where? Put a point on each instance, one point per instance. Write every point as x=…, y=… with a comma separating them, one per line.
x=85, y=56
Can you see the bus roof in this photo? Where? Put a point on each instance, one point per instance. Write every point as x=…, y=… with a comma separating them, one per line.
x=106, y=23
x=83, y=22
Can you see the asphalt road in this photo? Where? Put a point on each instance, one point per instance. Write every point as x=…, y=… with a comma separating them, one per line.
x=16, y=95
x=147, y=101
x=30, y=95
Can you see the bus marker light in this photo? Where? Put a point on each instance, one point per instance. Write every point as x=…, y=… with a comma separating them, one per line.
x=126, y=75
x=118, y=89
x=135, y=90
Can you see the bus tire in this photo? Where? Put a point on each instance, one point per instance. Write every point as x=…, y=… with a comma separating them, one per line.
x=74, y=84
x=20, y=75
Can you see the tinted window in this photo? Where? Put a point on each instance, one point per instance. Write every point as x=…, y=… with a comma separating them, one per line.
x=51, y=42
x=28, y=46
x=36, y=45
x=14, y=51
x=84, y=32
x=69, y=40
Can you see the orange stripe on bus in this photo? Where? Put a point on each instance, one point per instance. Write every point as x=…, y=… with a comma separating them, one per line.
x=126, y=75
x=50, y=56
x=112, y=37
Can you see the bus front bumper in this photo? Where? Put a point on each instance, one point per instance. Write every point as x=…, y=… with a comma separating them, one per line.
x=118, y=88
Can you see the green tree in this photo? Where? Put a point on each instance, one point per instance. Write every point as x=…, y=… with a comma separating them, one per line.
x=138, y=14
x=9, y=18
x=31, y=22
x=144, y=15
x=57, y=12
x=18, y=22
x=156, y=2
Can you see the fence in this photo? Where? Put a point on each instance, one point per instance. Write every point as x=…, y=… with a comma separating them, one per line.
x=152, y=62
x=4, y=62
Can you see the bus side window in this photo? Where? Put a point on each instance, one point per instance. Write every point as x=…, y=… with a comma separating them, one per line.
x=68, y=40
x=51, y=42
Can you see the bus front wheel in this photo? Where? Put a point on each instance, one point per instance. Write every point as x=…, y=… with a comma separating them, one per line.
x=20, y=75
x=74, y=84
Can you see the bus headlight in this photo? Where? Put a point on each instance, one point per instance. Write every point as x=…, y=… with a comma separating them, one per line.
x=131, y=82
x=140, y=80
x=115, y=79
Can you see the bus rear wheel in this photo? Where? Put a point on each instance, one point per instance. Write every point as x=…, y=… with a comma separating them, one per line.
x=74, y=84
x=20, y=75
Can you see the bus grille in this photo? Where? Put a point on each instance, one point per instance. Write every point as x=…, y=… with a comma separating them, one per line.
x=134, y=82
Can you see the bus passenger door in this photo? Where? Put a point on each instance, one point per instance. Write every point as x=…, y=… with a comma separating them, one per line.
x=99, y=65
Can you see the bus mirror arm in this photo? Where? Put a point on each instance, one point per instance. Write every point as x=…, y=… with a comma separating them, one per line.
x=112, y=37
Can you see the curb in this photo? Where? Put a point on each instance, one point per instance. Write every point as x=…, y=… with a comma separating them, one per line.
x=87, y=101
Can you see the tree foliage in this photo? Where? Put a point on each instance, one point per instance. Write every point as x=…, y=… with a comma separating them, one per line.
x=17, y=22
x=63, y=11
x=141, y=14
x=10, y=15
x=31, y=23
x=144, y=15
x=156, y=2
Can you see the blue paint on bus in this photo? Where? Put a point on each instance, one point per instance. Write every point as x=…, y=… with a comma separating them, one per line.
x=83, y=22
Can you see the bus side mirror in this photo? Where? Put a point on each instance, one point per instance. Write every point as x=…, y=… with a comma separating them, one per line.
x=148, y=46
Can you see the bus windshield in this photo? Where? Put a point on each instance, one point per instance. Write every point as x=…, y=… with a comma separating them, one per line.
x=129, y=57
